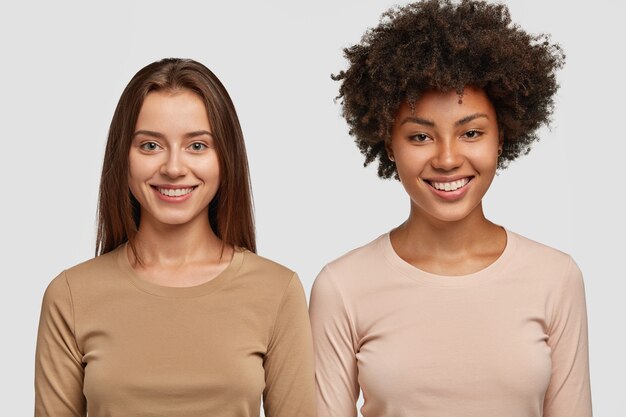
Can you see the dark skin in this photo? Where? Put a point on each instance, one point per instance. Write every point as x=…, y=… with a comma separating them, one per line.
x=445, y=45
x=446, y=155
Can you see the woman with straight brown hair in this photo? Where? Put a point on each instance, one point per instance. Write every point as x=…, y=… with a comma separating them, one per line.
x=176, y=315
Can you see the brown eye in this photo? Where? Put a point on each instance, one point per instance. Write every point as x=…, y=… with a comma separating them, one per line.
x=472, y=134
x=419, y=138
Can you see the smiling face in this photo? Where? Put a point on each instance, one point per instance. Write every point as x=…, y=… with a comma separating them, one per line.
x=173, y=165
x=446, y=152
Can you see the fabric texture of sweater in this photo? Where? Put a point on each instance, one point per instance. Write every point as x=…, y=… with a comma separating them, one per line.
x=507, y=341
x=112, y=344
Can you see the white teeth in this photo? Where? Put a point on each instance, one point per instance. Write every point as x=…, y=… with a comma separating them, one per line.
x=450, y=186
x=175, y=192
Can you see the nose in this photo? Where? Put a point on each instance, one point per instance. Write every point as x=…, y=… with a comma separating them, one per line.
x=448, y=156
x=174, y=166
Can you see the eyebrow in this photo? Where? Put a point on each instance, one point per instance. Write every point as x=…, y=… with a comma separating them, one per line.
x=469, y=118
x=162, y=136
x=426, y=122
x=418, y=120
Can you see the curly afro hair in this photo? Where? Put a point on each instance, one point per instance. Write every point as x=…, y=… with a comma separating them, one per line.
x=435, y=44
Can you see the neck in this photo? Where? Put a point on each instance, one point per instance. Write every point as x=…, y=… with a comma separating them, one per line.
x=166, y=244
x=426, y=234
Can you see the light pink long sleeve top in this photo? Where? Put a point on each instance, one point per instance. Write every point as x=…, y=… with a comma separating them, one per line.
x=507, y=341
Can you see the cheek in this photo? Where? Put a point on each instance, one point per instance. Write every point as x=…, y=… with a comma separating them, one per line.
x=134, y=181
x=133, y=170
x=410, y=162
x=484, y=158
x=136, y=166
x=143, y=167
x=140, y=170
x=207, y=169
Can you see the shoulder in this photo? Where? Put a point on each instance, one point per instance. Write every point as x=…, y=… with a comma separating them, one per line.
x=267, y=285
x=56, y=290
x=355, y=266
x=95, y=265
x=75, y=278
x=555, y=265
x=360, y=256
x=86, y=277
x=264, y=271
x=556, y=273
x=538, y=251
x=533, y=248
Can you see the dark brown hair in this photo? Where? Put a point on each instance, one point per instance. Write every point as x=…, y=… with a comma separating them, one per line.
x=230, y=211
x=441, y=45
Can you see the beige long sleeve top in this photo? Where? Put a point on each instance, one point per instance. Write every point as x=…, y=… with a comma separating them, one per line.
x=112, y=344
x=507, y=341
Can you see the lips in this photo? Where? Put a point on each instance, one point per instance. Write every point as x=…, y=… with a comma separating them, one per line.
x=451, y=188
x=174, y=191
x=449, y=185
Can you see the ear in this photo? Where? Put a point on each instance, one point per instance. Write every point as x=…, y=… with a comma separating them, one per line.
x=389, y=151
x=500, y=141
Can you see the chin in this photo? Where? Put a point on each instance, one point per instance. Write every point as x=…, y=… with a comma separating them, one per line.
x=450, y=218
x=450, y=215
x=173, y=219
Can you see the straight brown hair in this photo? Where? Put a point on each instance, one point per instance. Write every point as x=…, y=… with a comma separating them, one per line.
x=230, y=211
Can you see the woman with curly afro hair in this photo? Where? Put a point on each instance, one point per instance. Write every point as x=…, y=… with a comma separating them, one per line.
x=449, y=314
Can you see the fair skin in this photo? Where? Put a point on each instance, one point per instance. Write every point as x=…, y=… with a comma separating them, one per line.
x=446, y=156
x=174, y=174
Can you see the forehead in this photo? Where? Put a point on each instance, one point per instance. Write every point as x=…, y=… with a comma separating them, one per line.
x=165, y=110
x=448, y=106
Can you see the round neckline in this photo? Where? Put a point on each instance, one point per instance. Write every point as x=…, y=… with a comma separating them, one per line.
x=179, y=292
x=428, y=278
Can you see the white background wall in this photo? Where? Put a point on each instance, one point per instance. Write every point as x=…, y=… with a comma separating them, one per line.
x=64, y=65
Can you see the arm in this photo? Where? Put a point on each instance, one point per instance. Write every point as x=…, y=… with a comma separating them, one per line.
x=334, y=340
x=289, y=381
x=569, y=391
x=58, y=361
